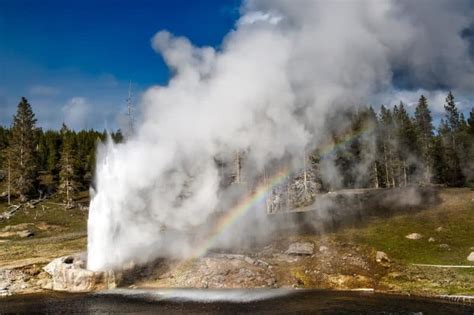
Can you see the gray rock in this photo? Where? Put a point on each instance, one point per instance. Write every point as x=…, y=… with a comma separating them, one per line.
x=439, y=229
x=68, y=273
x=249, y=260
x=471, y=257
x=381, y=257
x=431, y=239
x=26, y=233
x=444, y=246
x=414, y=236
x=300, y=248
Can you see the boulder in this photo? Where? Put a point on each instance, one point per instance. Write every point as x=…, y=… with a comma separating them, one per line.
x=471, y=257
x=431, y=239
x=26, y=233
x=300, y=248
x=381, y=257
x=414, y=236
x=68, y=273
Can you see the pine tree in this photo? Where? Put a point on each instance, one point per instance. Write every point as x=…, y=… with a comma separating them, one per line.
x=53, y=143
x=23, y=151
x=68, y=185
x=452, y=114
x=4, y=139
x=451, y=132
x=406, y=143
x=465, y=149
x=470, y=122
x=440, y=168
x=388, y=146
x=424, y=128
x=375, y=148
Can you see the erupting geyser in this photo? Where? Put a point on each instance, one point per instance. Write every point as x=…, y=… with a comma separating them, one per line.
x=266, y=91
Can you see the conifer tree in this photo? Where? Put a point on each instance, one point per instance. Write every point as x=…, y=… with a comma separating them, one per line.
x=406, y=142
x=452, y=114
x=388, y=146
x=451, y=132
x=438, y=157
x=68, y=184
x=373, y=124
x=23, y=142
x=470, y=122
x=424, y=126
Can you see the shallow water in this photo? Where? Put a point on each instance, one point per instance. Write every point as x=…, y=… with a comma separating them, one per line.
x=256, y=301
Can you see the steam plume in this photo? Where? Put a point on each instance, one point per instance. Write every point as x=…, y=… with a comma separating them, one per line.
x=266, y=91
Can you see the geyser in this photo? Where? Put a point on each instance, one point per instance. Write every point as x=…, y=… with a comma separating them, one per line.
x=266, y=92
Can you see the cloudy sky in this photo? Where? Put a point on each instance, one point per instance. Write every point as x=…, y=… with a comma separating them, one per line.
x=73, y=59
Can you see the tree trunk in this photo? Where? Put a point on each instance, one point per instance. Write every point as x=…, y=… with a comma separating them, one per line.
x=386, y=165
x=237, y=169
x=376, y=184
x=305, y=181
x=9, y=179
x=405, y=176
x=67, y=193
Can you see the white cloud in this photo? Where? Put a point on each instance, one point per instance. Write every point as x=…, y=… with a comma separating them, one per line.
x=255, y=17
x=43, y=90
x=436, y=99
x=76, y=113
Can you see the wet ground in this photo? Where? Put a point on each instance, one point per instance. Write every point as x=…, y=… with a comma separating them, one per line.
x=255, y=301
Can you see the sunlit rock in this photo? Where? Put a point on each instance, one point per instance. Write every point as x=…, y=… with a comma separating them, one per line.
x=414, y=236
x=381, y=257
x=68, y=273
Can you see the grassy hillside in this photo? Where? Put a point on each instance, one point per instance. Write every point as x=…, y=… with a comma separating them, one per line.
x=451, y=223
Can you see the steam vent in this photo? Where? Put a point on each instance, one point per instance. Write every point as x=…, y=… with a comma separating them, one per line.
x=68, y=273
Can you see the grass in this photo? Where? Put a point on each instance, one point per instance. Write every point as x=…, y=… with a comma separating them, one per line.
x=57, y=231
x=455, y=215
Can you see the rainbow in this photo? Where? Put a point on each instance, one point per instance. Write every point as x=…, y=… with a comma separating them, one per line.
x=256, y=199
x=259, y=196
x=331, y=147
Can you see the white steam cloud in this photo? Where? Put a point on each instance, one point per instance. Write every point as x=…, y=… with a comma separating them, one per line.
x=76, y=112
x=266, y=91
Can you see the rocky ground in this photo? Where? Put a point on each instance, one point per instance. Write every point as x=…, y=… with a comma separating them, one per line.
x=378, y=255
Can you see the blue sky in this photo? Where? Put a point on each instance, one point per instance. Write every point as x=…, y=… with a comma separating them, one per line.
x=75, y=58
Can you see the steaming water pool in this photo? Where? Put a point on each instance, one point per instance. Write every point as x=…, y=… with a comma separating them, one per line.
x=263, y=301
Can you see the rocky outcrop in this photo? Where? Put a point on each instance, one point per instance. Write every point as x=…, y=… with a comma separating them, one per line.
x=68, y=273
x=300, y=248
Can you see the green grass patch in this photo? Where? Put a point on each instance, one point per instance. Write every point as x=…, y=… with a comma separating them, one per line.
x=455, y=215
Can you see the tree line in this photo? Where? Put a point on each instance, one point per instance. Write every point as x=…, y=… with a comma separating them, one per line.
x=393, y=148
x=388, y=148
x=34, y=162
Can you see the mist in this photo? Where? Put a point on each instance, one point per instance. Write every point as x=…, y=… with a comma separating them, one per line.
x=268, y=91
